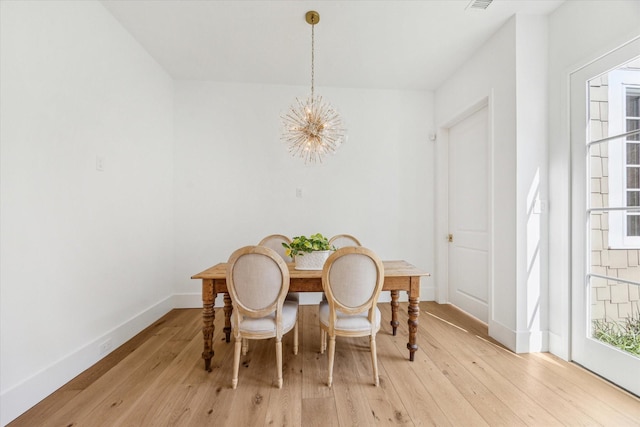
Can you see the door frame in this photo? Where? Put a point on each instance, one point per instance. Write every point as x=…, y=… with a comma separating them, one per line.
x=442, y=200
x=583, y=349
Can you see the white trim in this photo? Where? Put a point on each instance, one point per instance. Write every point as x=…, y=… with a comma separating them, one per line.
x=441, y=227
x=503, y=334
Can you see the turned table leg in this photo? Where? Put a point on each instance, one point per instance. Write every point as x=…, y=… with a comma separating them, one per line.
x=394, y=311
x=227, y=317
x=208, y=317
x=414, y=312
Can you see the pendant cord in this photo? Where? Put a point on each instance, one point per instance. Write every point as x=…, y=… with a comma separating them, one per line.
x=312, y=57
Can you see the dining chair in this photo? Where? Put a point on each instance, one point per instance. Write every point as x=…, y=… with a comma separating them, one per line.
x=275, y=241
x=258, y=281
x=342, y=240
x=352, y=280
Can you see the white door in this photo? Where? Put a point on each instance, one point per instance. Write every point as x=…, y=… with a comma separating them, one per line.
x=605, y=105
x=469, y=213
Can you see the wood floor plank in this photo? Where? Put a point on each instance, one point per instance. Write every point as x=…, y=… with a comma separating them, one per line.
x=460, y=377
x=353, y=407
x=468, y=353
x=314, y=364
x=448, y=397
x=284, y=408
x=320, y=412
x=549, y=386
x=256, y=380
x=417, y=397
x=165, y=391
x=104, y=394
x=159, y=399
x=611, y=395
x=584, y=398
x=386, y=407
x=39, y=414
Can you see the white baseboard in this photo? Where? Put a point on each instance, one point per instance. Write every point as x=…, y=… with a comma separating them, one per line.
x=534, y=341
x=521, y=341
x=503, y=335
x=19, y=398
x=559, y=346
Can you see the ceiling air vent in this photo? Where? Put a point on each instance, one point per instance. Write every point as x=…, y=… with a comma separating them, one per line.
x=479, y=4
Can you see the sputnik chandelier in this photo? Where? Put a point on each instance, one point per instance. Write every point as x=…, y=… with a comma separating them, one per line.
x=312, y=128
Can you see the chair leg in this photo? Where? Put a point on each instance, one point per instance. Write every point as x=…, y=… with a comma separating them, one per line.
x=295, y=338
x=332, y=353
x=236, y=362
x=374, y=360
x=279, y=362
x=323, y=340
x=245, y=346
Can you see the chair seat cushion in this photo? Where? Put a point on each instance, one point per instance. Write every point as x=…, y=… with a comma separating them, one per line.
x=267, y=324
x=349, y=322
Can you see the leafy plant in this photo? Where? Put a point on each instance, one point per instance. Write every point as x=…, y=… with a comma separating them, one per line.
x=623, y=335
x=302, y=244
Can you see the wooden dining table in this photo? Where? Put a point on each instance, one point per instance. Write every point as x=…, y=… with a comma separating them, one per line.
x=398, y=276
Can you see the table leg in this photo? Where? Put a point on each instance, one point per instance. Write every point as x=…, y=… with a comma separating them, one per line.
x=414, y=311
x=208, y=317
x=394, y=311
x=227, y=317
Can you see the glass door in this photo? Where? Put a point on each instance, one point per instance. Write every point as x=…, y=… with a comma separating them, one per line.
x=605, y=143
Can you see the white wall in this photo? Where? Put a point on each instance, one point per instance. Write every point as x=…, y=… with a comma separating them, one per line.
x=579, y=32
x=86, y=255
x=235, y=182
x=510, y=72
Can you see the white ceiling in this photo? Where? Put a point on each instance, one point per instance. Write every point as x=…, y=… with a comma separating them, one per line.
x=359, y=44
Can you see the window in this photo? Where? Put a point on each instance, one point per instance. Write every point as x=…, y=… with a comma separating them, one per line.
x=624, y=158
x=632, y=163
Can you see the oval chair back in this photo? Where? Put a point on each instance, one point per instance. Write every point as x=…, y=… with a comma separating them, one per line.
x=343, y=240
x=275, y=241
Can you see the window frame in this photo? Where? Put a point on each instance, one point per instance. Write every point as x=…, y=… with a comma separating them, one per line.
x=619, y=82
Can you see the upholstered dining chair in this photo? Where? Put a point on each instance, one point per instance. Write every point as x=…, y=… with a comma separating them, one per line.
x=258, y=281
x=352, y=280
x=275, y=241
x=342, y=240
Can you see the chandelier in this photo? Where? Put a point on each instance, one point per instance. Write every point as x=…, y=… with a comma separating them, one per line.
x=312, y=127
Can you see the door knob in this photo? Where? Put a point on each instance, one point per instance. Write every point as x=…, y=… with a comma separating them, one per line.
x=450, y=238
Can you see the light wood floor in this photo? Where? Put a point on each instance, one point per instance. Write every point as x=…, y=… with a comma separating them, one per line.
x=459, y=378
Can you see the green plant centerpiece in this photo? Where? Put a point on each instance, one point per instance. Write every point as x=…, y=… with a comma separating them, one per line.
x=303, y=244
x=309, y=253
